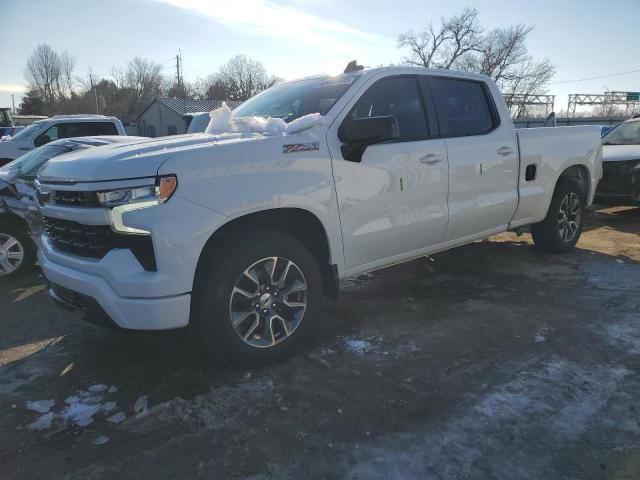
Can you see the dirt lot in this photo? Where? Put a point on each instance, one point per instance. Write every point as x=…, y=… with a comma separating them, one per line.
x=489, y=361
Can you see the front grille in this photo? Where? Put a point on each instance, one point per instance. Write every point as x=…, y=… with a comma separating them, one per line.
x=75, y=199
x=95, y=241
x=620, y=174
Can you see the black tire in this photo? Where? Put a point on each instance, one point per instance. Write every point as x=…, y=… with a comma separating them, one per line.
x=548, y=235
x=212, y=300
x=25, y=244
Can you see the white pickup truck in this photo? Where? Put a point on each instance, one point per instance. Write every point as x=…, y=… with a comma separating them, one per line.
x=240, y=230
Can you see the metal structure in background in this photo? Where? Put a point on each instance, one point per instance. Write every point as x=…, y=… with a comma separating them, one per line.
x=608, y=101
x=522, y=105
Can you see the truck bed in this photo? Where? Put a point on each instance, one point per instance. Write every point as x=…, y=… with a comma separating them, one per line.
x=552, y=151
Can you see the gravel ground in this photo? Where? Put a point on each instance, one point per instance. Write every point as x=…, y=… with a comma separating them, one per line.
x=488, y=361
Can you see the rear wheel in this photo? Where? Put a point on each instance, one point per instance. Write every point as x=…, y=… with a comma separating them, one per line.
x=17, y=251
x=562, y=227
x=255, y=300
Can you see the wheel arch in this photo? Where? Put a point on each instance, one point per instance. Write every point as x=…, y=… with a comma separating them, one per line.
x=581, y=175
x=300, y=223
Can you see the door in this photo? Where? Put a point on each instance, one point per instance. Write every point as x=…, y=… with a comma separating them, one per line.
x=394, y=200
x=483, y=158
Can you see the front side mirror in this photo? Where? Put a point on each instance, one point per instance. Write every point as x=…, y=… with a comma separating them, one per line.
x=359, y=133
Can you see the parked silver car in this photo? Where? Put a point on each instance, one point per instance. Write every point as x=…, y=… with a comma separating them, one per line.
x=20, y=223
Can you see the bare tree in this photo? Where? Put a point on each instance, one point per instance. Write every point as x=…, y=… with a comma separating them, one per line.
x=118, y=76
x=144, y=78
x=459, y=42
x=43, y=73
x=50, y=77
x=66, y=82
x=443, y=45
x=239, y=79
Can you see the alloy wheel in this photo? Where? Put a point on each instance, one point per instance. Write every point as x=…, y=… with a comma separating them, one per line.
x=268, y=302
x=569, y=217
x=11, y=254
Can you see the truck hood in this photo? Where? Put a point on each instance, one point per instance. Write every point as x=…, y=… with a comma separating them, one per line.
x=620, y=153
x=143, y=158
x=140, y=158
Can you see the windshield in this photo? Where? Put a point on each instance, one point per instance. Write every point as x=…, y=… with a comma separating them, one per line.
x=627, y=133
x=27, y=131
x=30, y=162
x=297, y=99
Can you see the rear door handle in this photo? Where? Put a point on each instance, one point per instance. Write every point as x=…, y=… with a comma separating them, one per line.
x=431, y=159
x=505, y=151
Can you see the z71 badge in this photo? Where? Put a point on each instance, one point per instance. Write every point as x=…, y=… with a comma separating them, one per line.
x=300, y=147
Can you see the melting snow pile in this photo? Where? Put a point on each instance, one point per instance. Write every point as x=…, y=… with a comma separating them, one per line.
x=222, y=122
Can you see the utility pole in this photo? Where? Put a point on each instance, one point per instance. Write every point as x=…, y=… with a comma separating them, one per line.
x=180, y=75
x=95, y=91
x=13, y=104
x=178, y=71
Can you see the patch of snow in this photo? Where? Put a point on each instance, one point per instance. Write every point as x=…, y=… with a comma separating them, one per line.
x=222, y=121
x=81, y=413
x=101, y=440
x=72, y=399
x=79, y=408
x=41, y=406
x=357, y=346
x=562, y=397
x=113, y=389
x=142, y=403
x=98, y=388
x=43, y=422
x=539, y=338
x=303, y=123
x=117, y=417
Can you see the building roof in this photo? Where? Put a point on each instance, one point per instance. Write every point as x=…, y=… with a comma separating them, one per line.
x=185, y=106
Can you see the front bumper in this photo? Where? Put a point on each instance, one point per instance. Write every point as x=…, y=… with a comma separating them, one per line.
x=620, y=179
x=93, y=295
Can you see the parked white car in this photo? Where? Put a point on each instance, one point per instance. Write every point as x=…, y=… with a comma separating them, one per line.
x=239, y=231
x=621, y=164
x=59, y=126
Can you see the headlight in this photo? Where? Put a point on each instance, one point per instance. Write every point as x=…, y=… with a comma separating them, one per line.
x=125, y=200
x=154, y=194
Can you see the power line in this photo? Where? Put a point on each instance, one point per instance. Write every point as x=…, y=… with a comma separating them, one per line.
x=596, y=78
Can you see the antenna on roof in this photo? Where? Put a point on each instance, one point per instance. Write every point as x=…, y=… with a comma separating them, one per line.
x=353, y=66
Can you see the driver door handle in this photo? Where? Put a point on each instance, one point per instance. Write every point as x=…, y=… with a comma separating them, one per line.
x=431, y=159
x=505, y=151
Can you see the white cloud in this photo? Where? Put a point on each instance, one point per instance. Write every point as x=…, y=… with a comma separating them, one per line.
x=263, y=17
x=12, y=88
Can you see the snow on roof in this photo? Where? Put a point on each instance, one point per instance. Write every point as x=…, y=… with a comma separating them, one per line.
x=185, y=106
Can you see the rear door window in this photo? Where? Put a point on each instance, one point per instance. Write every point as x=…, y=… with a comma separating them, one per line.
x=463, y=107
x=100, y=128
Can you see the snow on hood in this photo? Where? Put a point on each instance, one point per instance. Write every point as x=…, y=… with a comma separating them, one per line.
x=143, y=158
x=222, y=121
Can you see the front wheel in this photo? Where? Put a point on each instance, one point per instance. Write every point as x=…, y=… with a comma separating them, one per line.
x=255, y=299
x=562, y=227
x=17, y=251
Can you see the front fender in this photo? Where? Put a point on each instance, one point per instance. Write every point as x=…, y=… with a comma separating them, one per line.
x=237, y=179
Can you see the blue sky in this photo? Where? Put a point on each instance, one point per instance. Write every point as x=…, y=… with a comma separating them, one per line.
x=301, y=37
